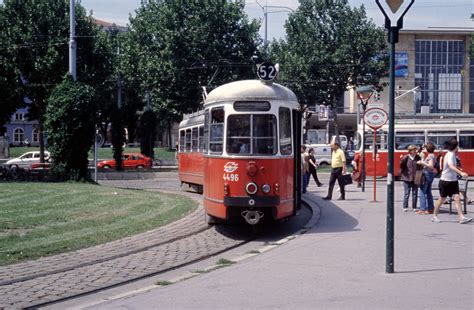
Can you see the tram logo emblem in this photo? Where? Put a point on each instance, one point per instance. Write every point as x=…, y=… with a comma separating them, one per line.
x=230, y=167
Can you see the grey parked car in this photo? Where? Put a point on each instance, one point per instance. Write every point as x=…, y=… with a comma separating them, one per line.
x=27, y=159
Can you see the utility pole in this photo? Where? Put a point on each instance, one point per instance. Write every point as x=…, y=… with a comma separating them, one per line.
x=119, y=85
x=72, y=39
x=265, y=7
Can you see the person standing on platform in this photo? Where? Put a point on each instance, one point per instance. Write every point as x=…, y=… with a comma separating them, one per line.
x=408, y=166
x=426, y=197
x=338, y=165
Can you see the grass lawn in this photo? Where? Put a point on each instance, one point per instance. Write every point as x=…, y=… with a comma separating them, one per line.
x=103, y=152
x=40, y=219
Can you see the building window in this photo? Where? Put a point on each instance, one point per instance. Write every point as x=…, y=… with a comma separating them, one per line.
x=438, y=72
x=19, y=116
x=35, y=135
x=18, y=135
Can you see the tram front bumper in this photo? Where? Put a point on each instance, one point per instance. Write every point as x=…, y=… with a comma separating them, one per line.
x=252, y=202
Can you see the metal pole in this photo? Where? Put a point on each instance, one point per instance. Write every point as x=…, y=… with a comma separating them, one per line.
x=364, y=106
x=390, y=244
x=72, y=40
x=95, y=157
x=265, y=16
x=375, y=165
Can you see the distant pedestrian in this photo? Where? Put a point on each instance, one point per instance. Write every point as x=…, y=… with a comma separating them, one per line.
x=426, y=196
x=449, y=185
x=304, y=168
x=408, y=166
x=356, y=173
x=313, y=167
x=338, y=164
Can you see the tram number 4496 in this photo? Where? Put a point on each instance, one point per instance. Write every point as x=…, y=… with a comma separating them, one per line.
x=231, y=177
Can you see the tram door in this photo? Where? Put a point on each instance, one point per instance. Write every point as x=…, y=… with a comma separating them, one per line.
x=297, y=159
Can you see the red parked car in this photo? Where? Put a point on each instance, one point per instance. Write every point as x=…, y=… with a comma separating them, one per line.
x=129, y=161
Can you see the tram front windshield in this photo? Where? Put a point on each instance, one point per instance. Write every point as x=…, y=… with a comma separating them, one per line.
x=252, y=134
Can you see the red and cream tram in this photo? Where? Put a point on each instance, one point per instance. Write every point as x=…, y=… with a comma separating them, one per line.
x=240, y=151
x=418, y=132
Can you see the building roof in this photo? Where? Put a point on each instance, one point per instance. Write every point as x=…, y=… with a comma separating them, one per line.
x=440, y=30
x=108, y=25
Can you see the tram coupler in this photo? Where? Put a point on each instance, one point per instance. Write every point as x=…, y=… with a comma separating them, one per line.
x=252, y=217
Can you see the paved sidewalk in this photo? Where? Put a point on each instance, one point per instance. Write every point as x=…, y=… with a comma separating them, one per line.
x=339, y=264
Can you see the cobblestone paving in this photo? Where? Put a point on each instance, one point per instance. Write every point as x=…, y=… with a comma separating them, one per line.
x=110, y=272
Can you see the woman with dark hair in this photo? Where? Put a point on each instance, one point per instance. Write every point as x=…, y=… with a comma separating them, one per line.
x=313, y=168
x=408, y=167
x=448, y=183
x=426, y=196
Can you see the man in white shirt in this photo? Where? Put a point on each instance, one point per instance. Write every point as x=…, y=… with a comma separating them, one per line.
x=448, y=183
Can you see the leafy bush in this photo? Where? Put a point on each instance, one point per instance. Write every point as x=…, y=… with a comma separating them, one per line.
x=70, y=122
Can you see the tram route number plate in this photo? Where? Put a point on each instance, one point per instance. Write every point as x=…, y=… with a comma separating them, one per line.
x=266, y=71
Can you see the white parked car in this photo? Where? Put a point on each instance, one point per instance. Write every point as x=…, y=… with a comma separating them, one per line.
x=27, y=159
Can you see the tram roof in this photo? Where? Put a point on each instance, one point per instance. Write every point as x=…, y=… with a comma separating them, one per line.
x=250, y=90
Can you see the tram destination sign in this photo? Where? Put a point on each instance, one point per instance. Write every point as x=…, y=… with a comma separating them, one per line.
x=375, y=117
x=246, y=106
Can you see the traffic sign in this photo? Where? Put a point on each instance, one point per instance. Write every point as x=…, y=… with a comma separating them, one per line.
x=375, y=117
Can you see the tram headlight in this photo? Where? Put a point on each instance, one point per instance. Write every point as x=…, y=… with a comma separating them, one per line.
x=251, y=188
x=226, y=189
x=277, y=188
x=266, y=188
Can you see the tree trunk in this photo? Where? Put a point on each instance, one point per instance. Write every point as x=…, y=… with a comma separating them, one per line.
x=169, y=135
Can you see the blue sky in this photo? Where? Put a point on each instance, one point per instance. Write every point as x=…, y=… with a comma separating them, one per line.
x=422, y=15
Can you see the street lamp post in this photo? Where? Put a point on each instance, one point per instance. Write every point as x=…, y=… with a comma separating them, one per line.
x=265, y=7
x=394, y=6
x=364, y=93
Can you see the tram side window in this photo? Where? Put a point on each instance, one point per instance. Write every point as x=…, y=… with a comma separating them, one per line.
x=381, y=140
x=440, y=138
x=188, y=140
x=264, y=134
x=205, y=137
x=194, y=142
x=216, y=130
x=181, y=140
x=285, y=131
x=238, y=134
x=404, y=139
x=466, y=139
x=201, y=139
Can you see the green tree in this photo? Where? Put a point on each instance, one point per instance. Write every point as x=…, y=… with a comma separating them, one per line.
x=329, y=47
x=35, y=35
x=184, y=45
x=10, y=98
x=70, y=121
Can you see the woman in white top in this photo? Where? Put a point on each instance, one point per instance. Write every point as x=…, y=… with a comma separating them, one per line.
x=448, y=183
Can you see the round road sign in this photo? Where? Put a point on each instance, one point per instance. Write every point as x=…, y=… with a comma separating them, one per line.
x=375, y=117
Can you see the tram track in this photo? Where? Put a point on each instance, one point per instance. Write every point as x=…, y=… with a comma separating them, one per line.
x=91, y=277
x=58, y=278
